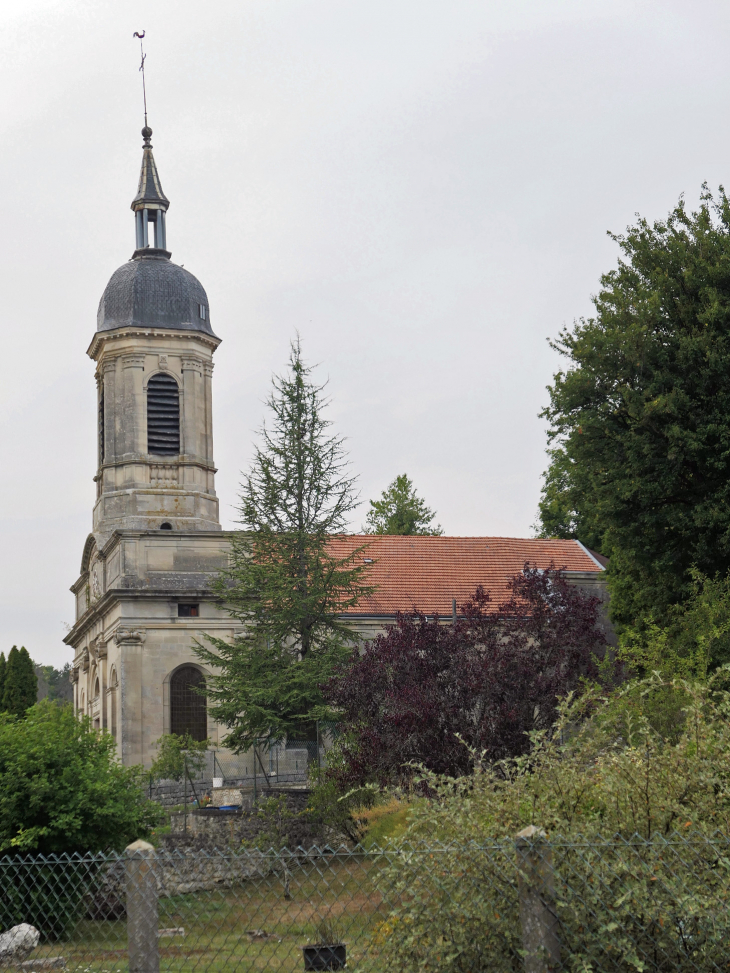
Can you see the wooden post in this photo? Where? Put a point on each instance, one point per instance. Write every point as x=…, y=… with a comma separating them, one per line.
x=144, y=955
x=536, y=882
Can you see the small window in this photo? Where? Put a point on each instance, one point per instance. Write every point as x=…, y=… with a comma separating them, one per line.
x=202, y=311
x=166, y=526
x=188, y=611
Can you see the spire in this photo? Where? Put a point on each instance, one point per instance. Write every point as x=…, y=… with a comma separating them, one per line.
x=150, y=204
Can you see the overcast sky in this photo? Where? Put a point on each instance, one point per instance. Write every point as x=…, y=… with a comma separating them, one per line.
x=421, y=188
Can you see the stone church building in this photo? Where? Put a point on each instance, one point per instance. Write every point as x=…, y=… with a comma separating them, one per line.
x=142, y=596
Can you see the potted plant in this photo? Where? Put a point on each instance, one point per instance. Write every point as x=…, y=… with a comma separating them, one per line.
x=328, y=953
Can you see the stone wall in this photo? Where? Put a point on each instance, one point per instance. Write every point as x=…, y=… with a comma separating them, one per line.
x=279, y=819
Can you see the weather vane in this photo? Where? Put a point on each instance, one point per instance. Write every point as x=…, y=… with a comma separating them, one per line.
x=141, y=34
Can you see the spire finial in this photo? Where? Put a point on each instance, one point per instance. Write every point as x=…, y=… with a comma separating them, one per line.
x=145, y=134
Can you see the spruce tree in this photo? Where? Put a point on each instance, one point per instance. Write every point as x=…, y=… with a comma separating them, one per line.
x=3, y=667
x=284, y=582
x=400, y=511
x=21, y=684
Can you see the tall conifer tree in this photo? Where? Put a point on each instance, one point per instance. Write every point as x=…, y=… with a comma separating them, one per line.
x=3, y=667
x=21, y=684
x=284, y=584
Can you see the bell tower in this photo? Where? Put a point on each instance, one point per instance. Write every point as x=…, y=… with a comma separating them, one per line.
x=143, y=597
x=154, y=352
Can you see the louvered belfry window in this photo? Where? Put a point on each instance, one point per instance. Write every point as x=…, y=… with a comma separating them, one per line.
x=187, y=706
x=163, y=416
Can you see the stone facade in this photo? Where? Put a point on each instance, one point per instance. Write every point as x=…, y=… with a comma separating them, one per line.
x=129, y=639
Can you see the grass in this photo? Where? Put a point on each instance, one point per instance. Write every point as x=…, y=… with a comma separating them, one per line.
x=260, y=924
x=383, y=822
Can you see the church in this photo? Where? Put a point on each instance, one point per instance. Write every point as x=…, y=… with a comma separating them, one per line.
x=142, y=596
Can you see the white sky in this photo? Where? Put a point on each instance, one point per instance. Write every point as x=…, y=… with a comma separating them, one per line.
x=421, y=188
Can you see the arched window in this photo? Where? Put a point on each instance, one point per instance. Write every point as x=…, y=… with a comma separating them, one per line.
x=96, y=688
x=187, y=705
x=163, y=416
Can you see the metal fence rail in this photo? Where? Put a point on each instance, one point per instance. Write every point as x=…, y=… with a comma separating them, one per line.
x=276, y=765
x=526, y=904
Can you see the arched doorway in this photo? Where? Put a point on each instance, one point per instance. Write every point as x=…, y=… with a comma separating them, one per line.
x=187, y=706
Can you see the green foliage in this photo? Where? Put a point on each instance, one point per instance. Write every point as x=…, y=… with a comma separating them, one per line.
x=286, y=583
x=177, y=754
x=277, y=821
x=338, y=812
x=602, y=769
x=400, y=511
x=641, y=891
x=62, y=788
x=3, y=670
x=690, y=640
x=265, y=691
x=57, y=681
x=640, y=418
x=20, y=690
x=52, y=897
x=558, y=516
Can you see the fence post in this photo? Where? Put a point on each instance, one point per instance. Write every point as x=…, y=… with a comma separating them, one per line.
x=144, y=955
x=538, y=918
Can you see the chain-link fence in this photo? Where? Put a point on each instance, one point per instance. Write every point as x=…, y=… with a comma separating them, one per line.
x=528, y=904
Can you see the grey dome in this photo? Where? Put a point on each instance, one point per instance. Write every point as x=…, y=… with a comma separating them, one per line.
x=150, y=291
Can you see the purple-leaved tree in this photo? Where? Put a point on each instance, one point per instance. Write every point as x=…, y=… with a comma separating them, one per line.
x=427, y=692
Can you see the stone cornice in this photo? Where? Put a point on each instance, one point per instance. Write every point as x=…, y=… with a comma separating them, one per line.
x=91, y=615
x=99, y=339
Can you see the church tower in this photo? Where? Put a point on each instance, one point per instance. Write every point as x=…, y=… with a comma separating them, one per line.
x=154, y=351
x=142, y=598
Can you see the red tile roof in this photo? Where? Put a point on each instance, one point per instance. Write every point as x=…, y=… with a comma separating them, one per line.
x=428, y=572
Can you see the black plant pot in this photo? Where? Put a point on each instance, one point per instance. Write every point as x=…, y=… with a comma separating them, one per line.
x=324, y=957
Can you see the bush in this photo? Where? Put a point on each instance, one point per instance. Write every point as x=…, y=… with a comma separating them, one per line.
x=62, y=790
x=50, y=894
x=612, y=794
x=178, y=755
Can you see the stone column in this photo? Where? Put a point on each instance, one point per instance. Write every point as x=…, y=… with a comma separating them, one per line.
x=101, y=652
x=538, y=918
x=208, y=418
x=142, y=909
x=133, y=413
x=192, y=407
x=109, y=380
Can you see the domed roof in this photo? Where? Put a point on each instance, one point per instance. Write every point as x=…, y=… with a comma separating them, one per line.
x=150, y=291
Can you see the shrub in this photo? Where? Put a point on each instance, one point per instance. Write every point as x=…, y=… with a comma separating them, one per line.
x=612, y=793
x=178, y=755
x=62, y=790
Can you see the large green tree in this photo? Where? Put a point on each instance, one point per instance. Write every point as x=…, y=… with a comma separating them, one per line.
x=640, y=417
x=284, y=583
x=21, y=684
x=3, y=669
x=400, y=511
x=62, y=787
